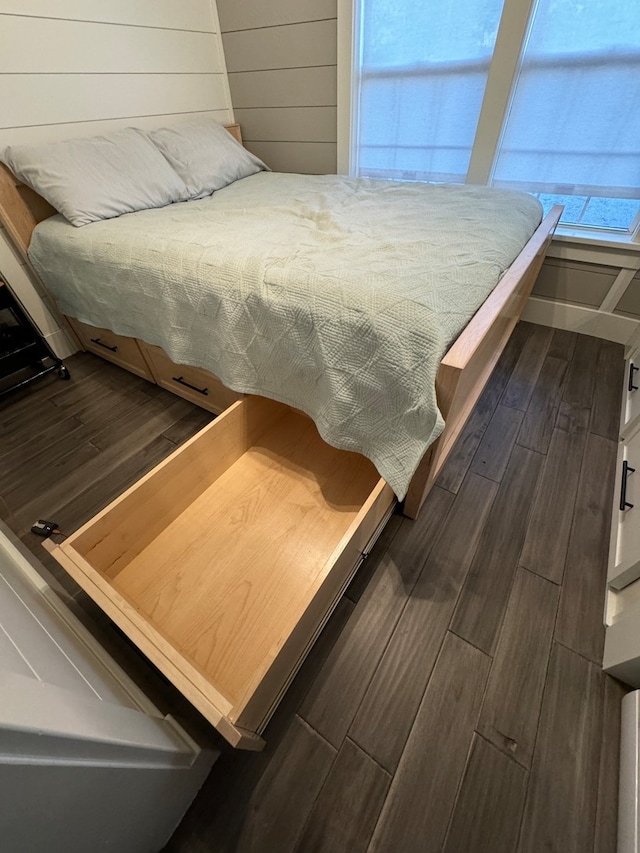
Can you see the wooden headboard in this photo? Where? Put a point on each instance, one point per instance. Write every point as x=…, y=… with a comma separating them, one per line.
x=21, y=208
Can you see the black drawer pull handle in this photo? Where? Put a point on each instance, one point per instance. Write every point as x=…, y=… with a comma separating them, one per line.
x=632, y=370
x=182, y=381
x=101, y=344
x=626, y=470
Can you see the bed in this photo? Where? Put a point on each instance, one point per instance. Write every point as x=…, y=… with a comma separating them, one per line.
x=374, y=396
x=287, y=516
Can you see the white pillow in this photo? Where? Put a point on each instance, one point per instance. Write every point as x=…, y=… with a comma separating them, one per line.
x=100, y=177
x=205, y=155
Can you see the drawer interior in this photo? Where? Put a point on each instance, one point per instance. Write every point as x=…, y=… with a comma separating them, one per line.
x=223, y=546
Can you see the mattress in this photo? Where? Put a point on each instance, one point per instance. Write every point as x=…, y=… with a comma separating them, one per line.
x=336, y=295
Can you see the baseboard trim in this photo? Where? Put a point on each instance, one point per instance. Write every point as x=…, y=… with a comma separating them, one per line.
x=579, y=318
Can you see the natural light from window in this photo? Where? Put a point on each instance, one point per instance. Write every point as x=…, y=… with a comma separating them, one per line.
x=428, y=86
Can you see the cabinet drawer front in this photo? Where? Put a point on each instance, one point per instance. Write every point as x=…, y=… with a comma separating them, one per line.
x=624, y=555
x=631, y=396
x=224, y=562
x=194, y=384
x=119, y=349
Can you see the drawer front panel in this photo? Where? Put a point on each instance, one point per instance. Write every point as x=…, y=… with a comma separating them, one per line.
x=624, y=561
x=119, y=349
x=194, y=384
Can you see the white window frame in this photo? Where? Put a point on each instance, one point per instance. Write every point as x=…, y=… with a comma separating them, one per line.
x=510, y=43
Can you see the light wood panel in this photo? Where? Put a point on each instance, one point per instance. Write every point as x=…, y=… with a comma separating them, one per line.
x=79, y=47
x=195, y=15
x=288, y=46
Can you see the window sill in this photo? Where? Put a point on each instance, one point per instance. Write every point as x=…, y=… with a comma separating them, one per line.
x=605, y=240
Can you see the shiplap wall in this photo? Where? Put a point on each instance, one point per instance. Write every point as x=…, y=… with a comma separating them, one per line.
x=72, y=68
x=281, y=62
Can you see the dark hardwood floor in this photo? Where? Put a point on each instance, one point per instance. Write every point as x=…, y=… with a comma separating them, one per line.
x=455, y=701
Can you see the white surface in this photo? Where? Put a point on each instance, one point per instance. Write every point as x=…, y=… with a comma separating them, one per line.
x=625, y=556
x=87, y=763
x=629, y=791
x=80, y=47
x=194, y=15
x=631, y=399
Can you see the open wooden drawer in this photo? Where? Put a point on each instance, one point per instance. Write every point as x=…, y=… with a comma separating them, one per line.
x=224, y=562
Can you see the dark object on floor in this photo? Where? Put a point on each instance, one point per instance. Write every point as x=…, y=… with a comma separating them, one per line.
x=24, y=354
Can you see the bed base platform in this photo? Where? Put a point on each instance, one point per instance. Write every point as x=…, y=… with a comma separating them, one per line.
x=462, y=374
x=225, y=561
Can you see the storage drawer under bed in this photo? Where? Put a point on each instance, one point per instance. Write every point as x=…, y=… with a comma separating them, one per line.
x=119, y=349
x=224, y=562
x=193, y=383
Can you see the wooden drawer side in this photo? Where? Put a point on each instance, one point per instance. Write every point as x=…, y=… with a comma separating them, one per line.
x=113, y=537
x=186, y=678
x=269, y=686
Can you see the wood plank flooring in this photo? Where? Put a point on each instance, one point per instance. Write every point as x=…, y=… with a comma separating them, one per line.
x=454, y=702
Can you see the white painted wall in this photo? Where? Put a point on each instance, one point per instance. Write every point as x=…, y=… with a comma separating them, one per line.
x=72, y=68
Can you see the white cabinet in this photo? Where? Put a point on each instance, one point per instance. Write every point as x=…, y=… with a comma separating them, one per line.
x=631, y=395
x=622, y=607
x=624, y=553
x=87, y=761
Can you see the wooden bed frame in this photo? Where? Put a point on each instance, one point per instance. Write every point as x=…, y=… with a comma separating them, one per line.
x=463, y=371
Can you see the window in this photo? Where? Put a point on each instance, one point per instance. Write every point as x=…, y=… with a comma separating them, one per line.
x=541, y=96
